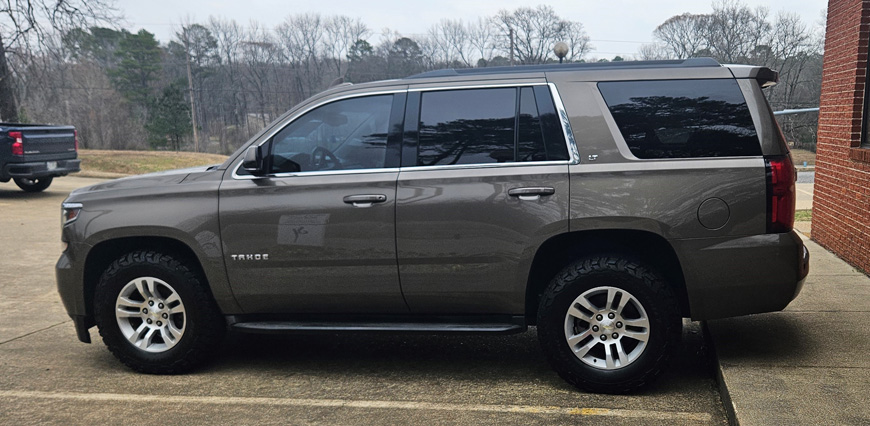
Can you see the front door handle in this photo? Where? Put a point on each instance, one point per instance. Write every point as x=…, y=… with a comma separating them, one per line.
x=365, y=200
x=531, y=193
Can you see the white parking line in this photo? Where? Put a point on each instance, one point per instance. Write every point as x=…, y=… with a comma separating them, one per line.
x=337, y=403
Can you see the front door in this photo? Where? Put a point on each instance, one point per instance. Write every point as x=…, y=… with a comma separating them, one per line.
x=317, y=234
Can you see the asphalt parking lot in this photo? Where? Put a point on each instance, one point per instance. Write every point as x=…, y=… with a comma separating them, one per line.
x=48, y=376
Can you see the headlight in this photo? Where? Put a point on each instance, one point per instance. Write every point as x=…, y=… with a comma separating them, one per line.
x=69, y=213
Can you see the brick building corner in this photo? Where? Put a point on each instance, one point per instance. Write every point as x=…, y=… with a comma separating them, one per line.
x=841, y=204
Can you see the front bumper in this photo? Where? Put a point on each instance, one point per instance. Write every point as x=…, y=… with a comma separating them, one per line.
x=729, y=277
x=70, y=287
x=41, y=169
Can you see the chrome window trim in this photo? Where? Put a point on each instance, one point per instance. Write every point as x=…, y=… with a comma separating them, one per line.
x=557, y=100
x=700, y=163
x=485, y=165
x=475, y=86
x=566, y=125
x=317, y=173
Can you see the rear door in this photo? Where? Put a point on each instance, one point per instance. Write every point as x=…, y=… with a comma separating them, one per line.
x=317, y=234
x=484, y=182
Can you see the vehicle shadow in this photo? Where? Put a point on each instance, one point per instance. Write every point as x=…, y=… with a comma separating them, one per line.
x=488, y=360
x=762, y=339
x=9, y=191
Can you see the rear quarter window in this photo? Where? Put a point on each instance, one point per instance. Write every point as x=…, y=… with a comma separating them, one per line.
x=682, y=118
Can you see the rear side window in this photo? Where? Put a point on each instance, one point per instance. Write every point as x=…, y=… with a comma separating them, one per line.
x=497, y=125
x=682, y=118
x=467, y=126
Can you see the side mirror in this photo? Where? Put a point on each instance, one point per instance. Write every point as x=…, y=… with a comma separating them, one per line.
x=253, y=161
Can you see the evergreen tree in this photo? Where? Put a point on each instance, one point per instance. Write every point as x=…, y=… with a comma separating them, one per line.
x=139, y=66
x=169, y=120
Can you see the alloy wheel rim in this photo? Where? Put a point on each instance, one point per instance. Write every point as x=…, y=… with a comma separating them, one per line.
x=607, y=328
x=150, y=314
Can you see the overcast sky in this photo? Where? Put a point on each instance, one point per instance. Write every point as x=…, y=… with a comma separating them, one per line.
x=616, y=27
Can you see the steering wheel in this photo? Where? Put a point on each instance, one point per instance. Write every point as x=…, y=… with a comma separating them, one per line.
x=323, y=159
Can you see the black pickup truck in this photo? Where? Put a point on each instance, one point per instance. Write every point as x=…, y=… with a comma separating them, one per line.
x=34, y=154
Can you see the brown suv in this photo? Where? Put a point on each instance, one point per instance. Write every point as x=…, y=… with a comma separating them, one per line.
x=600, y=202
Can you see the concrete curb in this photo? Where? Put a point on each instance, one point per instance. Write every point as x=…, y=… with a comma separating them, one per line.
x=721, y=381
x=727, y=403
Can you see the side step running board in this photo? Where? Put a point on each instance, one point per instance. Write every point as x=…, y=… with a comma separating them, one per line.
x=280, y=327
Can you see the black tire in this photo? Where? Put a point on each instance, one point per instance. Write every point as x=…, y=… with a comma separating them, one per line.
x=590, y=280
x=33, y=184
x=201, y=323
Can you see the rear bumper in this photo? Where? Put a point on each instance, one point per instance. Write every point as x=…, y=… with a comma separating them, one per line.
x=41, y=169
x=730, y=277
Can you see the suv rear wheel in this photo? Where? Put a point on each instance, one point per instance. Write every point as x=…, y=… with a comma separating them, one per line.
x=608, y=324
x=155, y=315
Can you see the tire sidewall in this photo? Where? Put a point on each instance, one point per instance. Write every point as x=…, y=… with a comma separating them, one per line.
x=664, y=324
x=110, y=286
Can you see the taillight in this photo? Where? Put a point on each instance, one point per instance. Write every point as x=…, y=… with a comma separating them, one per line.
x=76, y=135
x=780, y=193
x=18, y=144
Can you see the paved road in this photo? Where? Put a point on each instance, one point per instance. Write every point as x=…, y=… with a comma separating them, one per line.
x=806, y=177
x=804, y=190
x=47, y=376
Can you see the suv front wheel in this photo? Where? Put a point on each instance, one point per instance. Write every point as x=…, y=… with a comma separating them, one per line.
x=155, y=314
x=608, y=324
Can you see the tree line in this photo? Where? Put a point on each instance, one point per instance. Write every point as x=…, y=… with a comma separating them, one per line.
x=125, y=90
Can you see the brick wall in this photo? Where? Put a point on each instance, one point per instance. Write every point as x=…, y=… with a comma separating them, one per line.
x=841, y=205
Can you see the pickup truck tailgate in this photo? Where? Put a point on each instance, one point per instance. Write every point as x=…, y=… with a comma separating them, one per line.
x=54, y=142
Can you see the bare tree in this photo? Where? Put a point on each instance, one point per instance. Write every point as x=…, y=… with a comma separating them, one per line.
x=734, y=30
x=300, y=38
x=23, y=22
x=654, y=52
x=341, y=32
x=260, y=53
x=684, y=34
x=577, y=39
x=535, y=31
x=450, y=43
x=482, y=37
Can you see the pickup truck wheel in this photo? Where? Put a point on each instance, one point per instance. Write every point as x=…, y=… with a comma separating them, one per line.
x=608, y=324
x=33, y=184
x=155, y=315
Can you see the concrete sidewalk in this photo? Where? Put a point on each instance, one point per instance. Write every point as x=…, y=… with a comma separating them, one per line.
x=807, y=365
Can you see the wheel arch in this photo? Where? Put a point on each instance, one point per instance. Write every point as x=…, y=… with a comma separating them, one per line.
x=644, y=246
x=104, y=253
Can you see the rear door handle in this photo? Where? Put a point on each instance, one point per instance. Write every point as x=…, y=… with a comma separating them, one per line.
x=531, y=193
x=365, y=200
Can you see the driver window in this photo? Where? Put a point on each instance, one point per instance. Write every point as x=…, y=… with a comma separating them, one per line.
x=350, y=134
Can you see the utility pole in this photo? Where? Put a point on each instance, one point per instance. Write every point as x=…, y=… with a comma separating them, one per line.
x=511, y=32
x=190, y=90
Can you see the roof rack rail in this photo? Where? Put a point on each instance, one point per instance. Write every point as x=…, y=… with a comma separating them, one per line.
x=678, y=63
